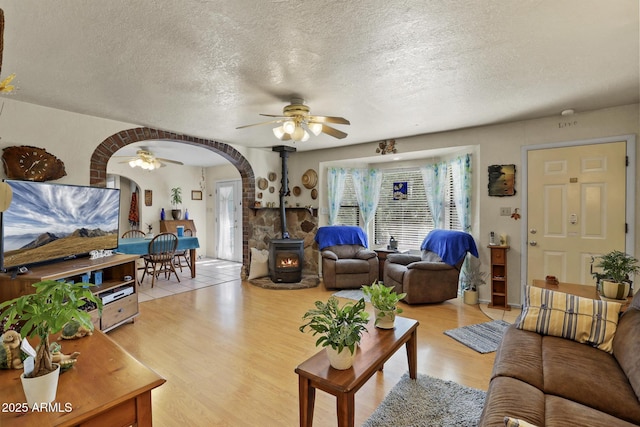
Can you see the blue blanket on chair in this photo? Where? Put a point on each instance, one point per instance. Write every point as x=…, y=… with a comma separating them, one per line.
x=450, y=245
x=341, y=235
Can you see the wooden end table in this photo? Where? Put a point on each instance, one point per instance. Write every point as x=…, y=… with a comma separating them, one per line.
x=107, y=387
x=586, y=291
x=375, y=349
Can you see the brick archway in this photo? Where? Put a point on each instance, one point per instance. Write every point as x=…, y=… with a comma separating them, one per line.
x=106, y=149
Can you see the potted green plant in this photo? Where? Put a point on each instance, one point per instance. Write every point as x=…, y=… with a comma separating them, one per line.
x=176, y=201
x=340, y=329
x=42, y=314
x=385, y=303
x=615, y=279
x=472, y=279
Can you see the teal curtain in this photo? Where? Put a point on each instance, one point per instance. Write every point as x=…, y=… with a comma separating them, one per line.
x=335, y=183
x=367, y=184
x=434, y=177
x=461, y=174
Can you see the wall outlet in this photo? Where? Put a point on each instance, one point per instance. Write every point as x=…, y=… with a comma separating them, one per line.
x=505, y=211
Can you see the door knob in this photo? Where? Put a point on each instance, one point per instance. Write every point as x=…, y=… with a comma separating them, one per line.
x=533, y=231
x=533, y=243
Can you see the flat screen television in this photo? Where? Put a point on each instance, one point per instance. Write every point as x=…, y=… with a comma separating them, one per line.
x=48, y=222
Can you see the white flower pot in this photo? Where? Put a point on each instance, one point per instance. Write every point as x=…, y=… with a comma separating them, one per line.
x=615, y=290
x=470, y=297
x=342, y=360
x=41, y=389
x=386, y=320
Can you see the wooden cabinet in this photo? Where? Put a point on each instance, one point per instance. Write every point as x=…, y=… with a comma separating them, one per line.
x=119, y=288
x=169, y=226
x=499, y=277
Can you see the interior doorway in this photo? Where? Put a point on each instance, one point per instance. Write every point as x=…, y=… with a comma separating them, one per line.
x=229, y=220
x=579, y=204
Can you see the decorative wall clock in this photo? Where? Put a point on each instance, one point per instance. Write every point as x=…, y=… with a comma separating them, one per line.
x=31, y=163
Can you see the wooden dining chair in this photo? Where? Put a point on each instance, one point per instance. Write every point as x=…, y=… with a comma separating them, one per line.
x=159, y=257
x=131, y=234
x=182, y=258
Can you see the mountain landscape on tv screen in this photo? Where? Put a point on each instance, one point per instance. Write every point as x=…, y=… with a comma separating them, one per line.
x=47, y=222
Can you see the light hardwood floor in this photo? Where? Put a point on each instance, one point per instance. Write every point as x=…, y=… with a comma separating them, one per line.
x=229, y=351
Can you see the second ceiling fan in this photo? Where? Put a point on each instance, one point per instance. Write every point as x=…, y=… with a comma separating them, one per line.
x=296, y=123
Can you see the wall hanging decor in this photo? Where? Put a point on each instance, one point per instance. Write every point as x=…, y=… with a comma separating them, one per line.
x=387, y=147
x=502, y=180
x=148, y=197
x=400, y=190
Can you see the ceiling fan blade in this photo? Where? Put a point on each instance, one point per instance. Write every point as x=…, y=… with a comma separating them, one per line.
x=175, y=162
x=333, y=132
x=329, y=119
x=275, y=115
x=262, y=123
x=126, y=161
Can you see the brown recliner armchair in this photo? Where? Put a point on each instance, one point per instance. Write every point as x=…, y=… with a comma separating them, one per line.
x=346, y=261
x=433, y=276
x=348, y=266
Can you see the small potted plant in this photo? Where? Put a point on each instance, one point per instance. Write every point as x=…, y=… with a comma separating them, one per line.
x=472, y=279
x=42, y=314
x=385, y=303
x=615, y=279
x=340, y=329
x=176, y=201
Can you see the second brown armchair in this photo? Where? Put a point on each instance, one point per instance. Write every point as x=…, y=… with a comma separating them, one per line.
x=432, y=276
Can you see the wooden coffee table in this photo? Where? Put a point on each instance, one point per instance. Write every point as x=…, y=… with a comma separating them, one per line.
x=586, y=291
x=375, y=349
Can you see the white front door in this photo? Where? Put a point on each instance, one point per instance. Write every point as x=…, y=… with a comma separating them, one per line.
x=576, y=209
x=229, y=220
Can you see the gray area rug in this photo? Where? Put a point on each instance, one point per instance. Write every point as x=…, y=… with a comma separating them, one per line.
x=428, y=401
x=483, y=337
x=355, y=294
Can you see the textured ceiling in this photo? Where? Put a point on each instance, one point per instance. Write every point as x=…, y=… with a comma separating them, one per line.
x=393, y=68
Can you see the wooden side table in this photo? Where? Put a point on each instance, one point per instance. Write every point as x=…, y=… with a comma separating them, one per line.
x=375, y=349
x=499, y=277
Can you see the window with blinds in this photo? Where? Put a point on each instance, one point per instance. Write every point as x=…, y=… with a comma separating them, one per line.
x=407, y=220
x=349, y=213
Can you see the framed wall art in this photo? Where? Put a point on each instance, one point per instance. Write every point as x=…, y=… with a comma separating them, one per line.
x=502, y=180
x=400, y=190
x=148, y=197
x=196, y=195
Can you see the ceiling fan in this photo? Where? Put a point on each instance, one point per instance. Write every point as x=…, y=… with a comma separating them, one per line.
x=296, y=121
x=146, y=160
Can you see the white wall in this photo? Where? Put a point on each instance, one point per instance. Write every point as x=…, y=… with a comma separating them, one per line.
x=73, y=138
x=496, y=144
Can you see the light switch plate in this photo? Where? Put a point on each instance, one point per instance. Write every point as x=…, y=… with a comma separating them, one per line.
x=505, y=211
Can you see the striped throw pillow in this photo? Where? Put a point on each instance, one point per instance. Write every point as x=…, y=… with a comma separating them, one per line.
x=584, y=320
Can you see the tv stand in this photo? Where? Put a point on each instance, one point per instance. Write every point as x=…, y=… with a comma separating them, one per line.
x=119, y=288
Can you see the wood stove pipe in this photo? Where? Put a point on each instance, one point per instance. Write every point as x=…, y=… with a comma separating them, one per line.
x=284, y=188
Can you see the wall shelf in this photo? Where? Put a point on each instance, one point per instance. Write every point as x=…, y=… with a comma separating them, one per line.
x=312, y=211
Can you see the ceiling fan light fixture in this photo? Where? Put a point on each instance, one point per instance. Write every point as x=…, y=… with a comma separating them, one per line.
x=289, y=127
x=279, y=132
x=299, y=134
x=316, y=128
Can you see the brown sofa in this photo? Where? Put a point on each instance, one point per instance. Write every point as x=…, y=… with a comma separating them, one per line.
x=348, y=266
x=551, y=381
